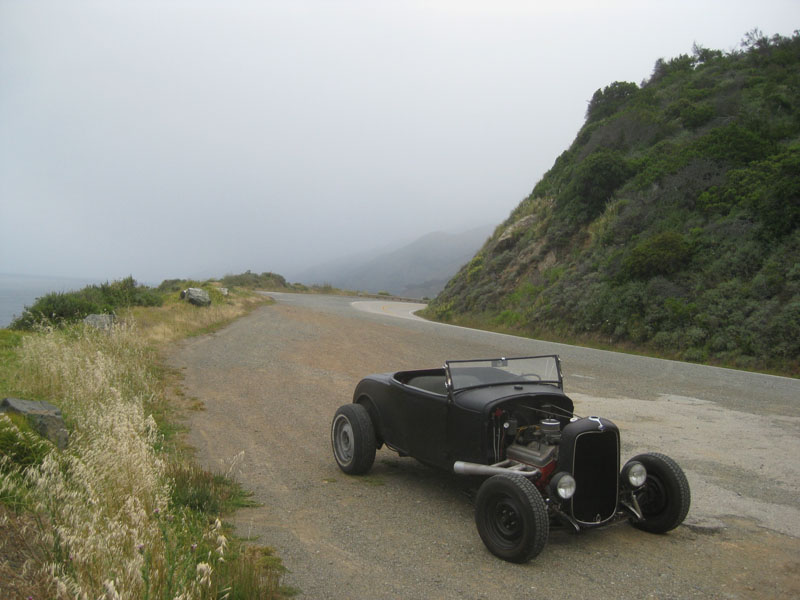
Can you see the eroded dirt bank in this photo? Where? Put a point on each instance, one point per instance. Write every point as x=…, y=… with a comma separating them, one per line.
x=271, y=382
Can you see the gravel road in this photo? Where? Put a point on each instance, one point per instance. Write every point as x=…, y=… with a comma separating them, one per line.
x=271, y=382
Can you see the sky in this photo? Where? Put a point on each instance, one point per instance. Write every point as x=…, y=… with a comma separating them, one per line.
x=196, y=138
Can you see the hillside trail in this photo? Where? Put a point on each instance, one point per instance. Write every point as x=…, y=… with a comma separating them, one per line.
x=269, y=385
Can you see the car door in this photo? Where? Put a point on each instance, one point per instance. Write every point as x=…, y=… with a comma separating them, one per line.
x=418, y=422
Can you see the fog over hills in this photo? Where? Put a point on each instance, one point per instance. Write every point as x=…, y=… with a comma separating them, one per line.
x=416, y=270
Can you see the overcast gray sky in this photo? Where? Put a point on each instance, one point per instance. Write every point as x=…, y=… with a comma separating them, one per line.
x=197, y=138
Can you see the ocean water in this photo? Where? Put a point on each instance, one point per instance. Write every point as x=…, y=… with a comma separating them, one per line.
x=19, y=291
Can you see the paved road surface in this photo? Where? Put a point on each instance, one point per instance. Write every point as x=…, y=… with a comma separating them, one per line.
x=271, y=382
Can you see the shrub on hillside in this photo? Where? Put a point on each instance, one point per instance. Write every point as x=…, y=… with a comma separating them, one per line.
x=664, y=69
x=693, y=116
x=594, y=181
x=171, y=286
x=733, y=144
x=661, y=254
x=768, y=189
x=57, y=307
x=253, y=280
x=607, y=101
x=65, y=307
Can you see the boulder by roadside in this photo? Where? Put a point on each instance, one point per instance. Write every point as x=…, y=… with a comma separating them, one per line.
x=196, y=296
x=43, y=417
x=100, y=321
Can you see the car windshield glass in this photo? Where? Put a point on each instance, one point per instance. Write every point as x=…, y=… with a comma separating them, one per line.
x=471, y=373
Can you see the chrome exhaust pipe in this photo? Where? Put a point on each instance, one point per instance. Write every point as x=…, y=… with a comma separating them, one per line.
x=507, y=466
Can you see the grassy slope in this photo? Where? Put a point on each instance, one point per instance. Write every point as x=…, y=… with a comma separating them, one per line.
x=123, y=509
x=670, y=226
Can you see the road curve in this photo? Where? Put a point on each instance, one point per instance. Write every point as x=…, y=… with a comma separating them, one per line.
x=271, y=382
x=403, y=310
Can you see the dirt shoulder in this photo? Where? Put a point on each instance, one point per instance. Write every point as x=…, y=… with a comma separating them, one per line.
x=270, y=384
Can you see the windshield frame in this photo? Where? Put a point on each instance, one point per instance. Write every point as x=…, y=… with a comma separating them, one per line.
x=538, y=370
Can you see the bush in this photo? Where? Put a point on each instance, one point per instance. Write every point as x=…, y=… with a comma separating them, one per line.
x=170, y=286
x=691, y=115
x=733, y=144
x=662, y=254
x=768, y=189
x=60, y=308
x=247, y=279
x=776, y=202
x=696, y=115
x=57, y=308
x=679, y=65
x=595, y=180
x=607, y=101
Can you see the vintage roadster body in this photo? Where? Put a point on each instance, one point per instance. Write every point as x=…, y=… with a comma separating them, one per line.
x=508, y=420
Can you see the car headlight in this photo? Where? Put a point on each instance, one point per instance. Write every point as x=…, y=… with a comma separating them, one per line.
x=563, y=486
x=634, y=474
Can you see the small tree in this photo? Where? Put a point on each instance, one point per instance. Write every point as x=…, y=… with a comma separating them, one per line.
x=596, y=178
x=607, y=101
x=703, y=55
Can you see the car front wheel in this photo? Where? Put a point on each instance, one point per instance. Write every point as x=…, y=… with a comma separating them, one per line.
x=664, y=498
x=511, y=518
x=353, y=439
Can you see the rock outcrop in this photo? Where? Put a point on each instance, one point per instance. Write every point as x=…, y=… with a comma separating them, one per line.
x=100, y=321
x=513, y=232
x=196, y=296
x=44, y=418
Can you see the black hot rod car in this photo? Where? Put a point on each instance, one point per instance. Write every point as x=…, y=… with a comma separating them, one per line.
x=508, y=420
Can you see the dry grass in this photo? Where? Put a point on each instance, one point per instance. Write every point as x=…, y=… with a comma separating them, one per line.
x=176, y=319
x=22, y=574
x=101, y=519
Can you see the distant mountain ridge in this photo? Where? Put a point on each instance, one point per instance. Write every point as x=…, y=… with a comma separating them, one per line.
x=672, y=222
x=417, y=270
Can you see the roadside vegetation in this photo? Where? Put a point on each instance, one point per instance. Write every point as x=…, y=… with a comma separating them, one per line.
x=126, y=296
x=123, y=511
x=671, y=226
x=58, y=308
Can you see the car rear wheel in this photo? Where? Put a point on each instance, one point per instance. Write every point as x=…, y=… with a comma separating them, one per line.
x=511, y=518
x=664, y=498
x=353, y=439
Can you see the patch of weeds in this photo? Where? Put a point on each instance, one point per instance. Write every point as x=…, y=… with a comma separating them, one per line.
x=18, y=548
x=20, y=446
x=169, y=428
x=255, y=573
x=200, y=490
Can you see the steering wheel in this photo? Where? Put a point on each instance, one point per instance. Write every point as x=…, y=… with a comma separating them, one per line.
x=538, y=377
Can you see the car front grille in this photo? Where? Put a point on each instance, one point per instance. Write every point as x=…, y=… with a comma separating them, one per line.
x=596, y=472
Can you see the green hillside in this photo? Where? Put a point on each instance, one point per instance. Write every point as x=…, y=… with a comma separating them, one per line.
x=670, y=225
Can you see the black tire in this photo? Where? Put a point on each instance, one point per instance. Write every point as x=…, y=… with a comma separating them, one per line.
x=511, y=518
x=665, y=497
x=353, y=439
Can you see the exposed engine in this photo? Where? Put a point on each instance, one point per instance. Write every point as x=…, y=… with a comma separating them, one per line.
x=528, y=435
x=536, y=445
